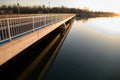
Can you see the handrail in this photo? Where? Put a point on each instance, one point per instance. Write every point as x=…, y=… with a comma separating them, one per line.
x=12, y=28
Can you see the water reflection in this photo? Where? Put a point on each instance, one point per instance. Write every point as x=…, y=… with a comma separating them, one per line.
x=90, y=52
x=105, y=25
x=41, y=60
x=83, y=19
x=110, y=26
x=34, y=62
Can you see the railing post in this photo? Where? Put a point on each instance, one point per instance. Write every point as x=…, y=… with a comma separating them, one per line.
x=56, y=18
x=45, y=21
x=9, y=33
x=33, y=23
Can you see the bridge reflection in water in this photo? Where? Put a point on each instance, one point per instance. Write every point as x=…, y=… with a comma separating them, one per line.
x=34, y=62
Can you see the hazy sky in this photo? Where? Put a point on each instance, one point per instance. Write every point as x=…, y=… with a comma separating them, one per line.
x=99, y=5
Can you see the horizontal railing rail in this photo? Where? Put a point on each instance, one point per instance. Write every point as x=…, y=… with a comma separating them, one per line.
x=21, y=15
x=12, y=28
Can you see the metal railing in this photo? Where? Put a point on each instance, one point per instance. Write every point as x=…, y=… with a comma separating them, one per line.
x=21, y=15
x=12, y=28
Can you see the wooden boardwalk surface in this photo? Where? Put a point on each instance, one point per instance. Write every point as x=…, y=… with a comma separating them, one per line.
x=13, y=48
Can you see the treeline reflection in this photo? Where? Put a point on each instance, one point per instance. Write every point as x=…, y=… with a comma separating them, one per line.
x=85, y=18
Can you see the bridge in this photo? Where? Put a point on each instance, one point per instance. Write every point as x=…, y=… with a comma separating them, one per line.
x=18, y=32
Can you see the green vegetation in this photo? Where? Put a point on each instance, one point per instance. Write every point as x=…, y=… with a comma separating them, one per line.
x=45, y=9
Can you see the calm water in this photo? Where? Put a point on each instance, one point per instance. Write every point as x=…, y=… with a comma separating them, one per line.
x=91, y=51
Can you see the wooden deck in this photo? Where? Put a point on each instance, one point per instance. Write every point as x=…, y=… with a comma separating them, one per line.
x=13, y=48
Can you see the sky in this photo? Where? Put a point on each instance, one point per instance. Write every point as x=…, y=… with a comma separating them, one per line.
x=94, y=5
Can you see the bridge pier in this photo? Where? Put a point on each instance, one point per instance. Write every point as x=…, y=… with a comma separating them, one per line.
x=63, y=28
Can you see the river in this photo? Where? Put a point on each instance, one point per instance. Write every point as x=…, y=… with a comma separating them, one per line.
x=91, y=51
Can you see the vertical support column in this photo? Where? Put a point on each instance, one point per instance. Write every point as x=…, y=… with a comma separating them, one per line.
x=62, y=29
x=45, y=21
x=8, y=26
x=65, y=26
x=56, y=18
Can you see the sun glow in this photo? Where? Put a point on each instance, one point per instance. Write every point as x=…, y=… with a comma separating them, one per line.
x=95, y=5
x=110, y=26
x=104, y=5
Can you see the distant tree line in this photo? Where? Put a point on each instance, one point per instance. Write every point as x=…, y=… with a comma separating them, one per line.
x=47, y=9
